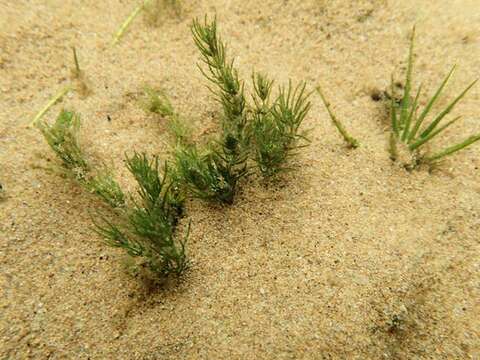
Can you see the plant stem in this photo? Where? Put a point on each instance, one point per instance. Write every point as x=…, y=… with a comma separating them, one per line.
x=352, y=142
x=52, y=102
x=128, y=21
x=75, y=59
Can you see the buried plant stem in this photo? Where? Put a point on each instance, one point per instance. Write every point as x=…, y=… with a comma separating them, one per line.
x=352, y=142
x=75, y=60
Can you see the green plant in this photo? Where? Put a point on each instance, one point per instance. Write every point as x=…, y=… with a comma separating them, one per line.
x=146, y=228
x=351, y=141
x=209, y=176
x=275, y=128
x=151, y=8
x=408, y=128
x=62, y=137
x=265, y=132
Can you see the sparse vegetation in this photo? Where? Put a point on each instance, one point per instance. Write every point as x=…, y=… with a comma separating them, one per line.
x=50, y=103
x=265, y=132
x=156, y=102
x=408, y=129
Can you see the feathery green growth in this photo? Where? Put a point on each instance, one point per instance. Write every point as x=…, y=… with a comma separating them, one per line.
x=104, y=185
x=208, y=176
x=62, y=137
x=410, y=129
x=147, y=228
x=265, y=132
x=351, y=141
x=156, y=102
x=275, y=128
x=214, y=175
x=151, y=222
x=229, y=89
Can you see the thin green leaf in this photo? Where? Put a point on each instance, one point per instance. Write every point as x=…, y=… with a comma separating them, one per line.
x=411, y=114
x=432, y=101
x=447, y=110
x=422, y=141
x=352, y=142
x=408, y=84
x=452, y=149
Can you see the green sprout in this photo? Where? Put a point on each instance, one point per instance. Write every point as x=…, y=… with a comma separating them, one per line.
x=351, y=141
x=412, y=130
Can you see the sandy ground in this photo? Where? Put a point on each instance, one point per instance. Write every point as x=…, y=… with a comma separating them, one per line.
x=349, y=257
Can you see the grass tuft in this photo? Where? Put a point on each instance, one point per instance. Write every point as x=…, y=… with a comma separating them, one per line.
x=415, y=131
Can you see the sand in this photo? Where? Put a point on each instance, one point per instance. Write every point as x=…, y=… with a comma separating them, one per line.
x=347, y=257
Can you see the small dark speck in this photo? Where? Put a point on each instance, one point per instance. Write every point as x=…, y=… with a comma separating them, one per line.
x=376, y=96
x=109, y=118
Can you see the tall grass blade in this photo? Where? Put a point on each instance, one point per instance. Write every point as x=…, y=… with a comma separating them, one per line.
x=408, y=85
x=452, y=149
x=427, y=109
x=421, y=141
x=411, y=115
x=445, y=112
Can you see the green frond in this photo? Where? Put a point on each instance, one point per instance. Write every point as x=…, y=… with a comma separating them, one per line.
x=62, y=137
